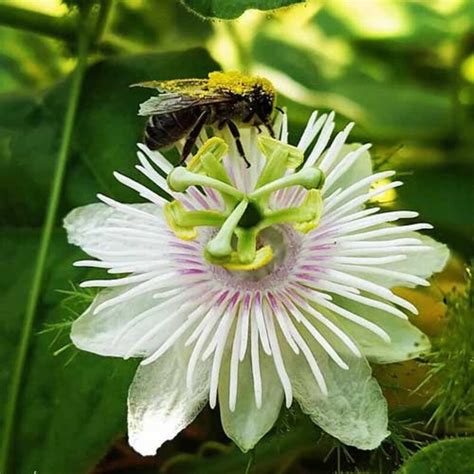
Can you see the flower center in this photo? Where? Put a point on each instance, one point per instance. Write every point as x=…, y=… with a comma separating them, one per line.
x=285, y=243
x=244, y=241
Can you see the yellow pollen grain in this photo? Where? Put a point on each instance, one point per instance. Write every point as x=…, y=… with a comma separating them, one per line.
x=238, y=83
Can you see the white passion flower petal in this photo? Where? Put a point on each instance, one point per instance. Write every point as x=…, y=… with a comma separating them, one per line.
x=243, y=421
x=115, y=330
x=354, y=409
x=255, y=285
x=351, y=165
x=413, y=270
x=159, y=403
x=406, y=341
x=421, y=264
x=109, y=230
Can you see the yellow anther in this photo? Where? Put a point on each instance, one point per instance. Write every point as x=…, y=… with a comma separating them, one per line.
x=305, y=227
x=313, y=201
x=172, y=211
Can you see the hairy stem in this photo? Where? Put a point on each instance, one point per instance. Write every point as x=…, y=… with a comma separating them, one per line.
x=33, y=297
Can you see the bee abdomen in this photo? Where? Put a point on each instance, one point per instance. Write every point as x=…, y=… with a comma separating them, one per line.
x=164, y=130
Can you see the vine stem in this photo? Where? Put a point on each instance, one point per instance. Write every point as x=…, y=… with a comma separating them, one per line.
x=250, y=461
x=63, y=28
x=55, y=193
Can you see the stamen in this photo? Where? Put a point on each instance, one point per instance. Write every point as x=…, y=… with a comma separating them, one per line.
x=269, y=146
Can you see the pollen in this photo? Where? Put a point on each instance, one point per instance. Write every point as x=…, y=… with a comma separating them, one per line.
x=239, y=83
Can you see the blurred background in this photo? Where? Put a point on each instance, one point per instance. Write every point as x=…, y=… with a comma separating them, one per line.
x=403, y=70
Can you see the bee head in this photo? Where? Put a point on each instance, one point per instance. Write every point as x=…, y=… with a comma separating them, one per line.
x=262, y=102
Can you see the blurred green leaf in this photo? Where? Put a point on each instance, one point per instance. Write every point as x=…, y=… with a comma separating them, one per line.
x=165, y=23
x=449, y=455
x=386, y=106
x=227, y=9
x=69, y=411
x=28, y=61
x=443, y=196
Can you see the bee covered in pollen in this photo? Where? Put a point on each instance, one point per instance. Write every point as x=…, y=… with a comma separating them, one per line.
x=183, y=107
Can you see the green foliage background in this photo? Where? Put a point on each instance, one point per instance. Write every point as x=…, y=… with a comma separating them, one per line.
x=402, y=69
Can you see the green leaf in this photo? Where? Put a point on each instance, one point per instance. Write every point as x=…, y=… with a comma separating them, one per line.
x=443, y=196
x=449, y=455
x=70, y=410
x=28, y=60
x=19, y=180
x=228, y=9
x=159, y=23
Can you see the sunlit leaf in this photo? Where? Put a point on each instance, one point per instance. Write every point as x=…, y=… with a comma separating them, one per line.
x=387, y=107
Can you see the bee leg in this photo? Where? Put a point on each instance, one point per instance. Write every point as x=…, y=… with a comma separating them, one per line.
x=193, y=135
x=235, y=133
x=269, y=127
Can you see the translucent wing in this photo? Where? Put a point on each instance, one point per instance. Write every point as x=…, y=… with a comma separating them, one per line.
x=180, y=94
x=166, y=103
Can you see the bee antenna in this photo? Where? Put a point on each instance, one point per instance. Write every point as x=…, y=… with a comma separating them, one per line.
x=280, y=110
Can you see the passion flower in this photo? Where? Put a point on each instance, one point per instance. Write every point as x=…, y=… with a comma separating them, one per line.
x=255, y=286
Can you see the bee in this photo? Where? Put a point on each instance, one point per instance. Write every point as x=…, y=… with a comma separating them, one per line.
x=183, y=107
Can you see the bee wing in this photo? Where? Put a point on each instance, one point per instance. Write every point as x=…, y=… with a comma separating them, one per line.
x=166, y=103
x=169, y=102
